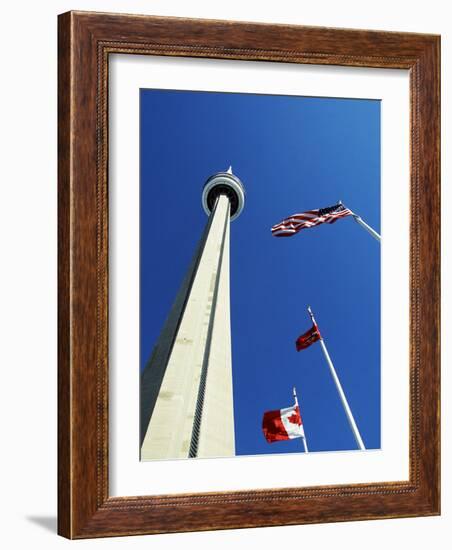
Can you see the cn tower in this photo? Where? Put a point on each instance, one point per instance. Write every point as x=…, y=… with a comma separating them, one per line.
x=186, y=399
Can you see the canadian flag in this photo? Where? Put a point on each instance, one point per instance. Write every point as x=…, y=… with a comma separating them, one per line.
x=282, y=424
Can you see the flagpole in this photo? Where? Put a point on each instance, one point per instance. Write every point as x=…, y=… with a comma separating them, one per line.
x=345, y=404
x=305, y=445
x=362, y=223
x=369, y=229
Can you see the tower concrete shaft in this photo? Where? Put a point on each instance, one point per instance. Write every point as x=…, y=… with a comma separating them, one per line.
x=186, y=396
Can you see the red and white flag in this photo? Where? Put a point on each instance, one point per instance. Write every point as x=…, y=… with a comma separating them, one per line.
x=308, y=338
x=295, y=223
x=282, y=424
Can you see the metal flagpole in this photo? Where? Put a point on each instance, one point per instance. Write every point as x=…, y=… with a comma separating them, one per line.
x=362, y=223
x=296, y=404
x=347, y=409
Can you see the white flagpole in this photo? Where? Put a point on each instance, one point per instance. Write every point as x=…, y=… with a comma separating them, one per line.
x=362, y=223
x=345, y=404
x=369, y=229
x=304, y=437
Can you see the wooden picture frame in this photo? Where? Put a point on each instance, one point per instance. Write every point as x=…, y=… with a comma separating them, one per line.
x=85, y=42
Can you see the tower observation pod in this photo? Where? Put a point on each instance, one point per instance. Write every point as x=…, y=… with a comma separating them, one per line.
x=186, y=400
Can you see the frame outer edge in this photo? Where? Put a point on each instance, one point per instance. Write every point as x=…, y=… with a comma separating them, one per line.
x=431, y=276
x=64, y=278
x=426, y=281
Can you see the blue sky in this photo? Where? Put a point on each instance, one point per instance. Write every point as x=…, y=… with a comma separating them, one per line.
x=292, y=154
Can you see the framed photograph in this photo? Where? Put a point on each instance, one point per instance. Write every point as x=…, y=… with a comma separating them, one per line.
x=248, y=275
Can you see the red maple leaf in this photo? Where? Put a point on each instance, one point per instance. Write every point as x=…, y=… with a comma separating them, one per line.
x=294, y=418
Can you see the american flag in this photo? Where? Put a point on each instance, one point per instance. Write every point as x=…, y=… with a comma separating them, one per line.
x=293, y=224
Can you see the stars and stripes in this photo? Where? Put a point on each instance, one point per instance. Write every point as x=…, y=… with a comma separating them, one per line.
x=293, y=224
